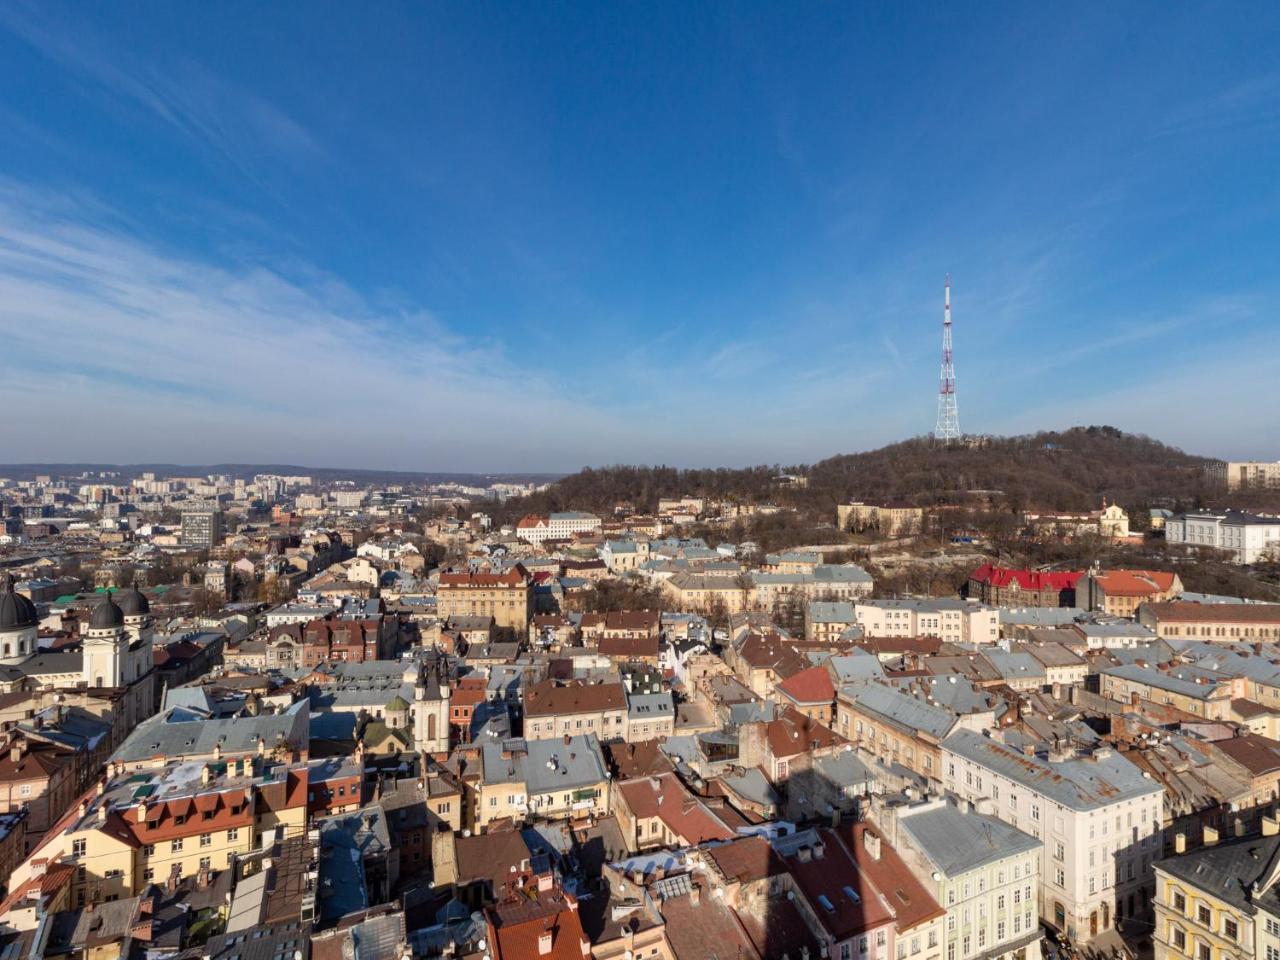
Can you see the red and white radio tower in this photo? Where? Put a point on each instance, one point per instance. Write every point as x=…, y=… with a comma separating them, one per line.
x=948, y=427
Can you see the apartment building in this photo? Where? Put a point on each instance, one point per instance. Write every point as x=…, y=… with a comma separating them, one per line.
x=825, y=621
x=552, y=709
x=136, y=829
x=1001, y=586
x=895, y=726
x=201, y=527
x=890, y=518
x=1119, y=593
x=956, y=621
x=984, y=872
x=557, y=526
x=659, y=811
x=1247, y=474
x=1133, y=684
x=548, y=779
x=507, y=597
x=1245, y=537
x=1179, y=620
x=1098, y=819
x=826, y=581
x=1220, y=902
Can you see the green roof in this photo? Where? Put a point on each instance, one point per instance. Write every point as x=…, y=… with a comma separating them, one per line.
x=398, y=703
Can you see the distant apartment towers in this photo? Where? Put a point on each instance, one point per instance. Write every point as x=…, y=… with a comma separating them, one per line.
x=947, y=429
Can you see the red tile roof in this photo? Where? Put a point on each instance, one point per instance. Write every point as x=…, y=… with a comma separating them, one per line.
x=910, y=900
x=831, y=876
x=1180, y=611
x=1134, y=583
x=466, y=578
x=550, y=699
x=518, y=925
x=666, y=798
x=793, y=733
x=628, y=647
x=747, y=859
x=1026, y=579
x=809, y=686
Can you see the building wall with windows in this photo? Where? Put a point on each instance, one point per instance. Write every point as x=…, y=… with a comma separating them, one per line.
x=1098, y=817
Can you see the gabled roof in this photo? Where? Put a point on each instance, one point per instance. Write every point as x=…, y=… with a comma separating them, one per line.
x=666, y=798
x=1026, y=579
x=809, y=686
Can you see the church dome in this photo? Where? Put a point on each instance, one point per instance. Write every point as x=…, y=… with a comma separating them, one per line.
x=132, y=602
x=106, y=615
x=16, y=611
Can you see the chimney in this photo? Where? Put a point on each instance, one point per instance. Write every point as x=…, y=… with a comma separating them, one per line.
x=1210, y=835
x=1239, y=825
x=695, y=894
x=872, y=843
x=204, y=775
x=544, y=943
x=1270, y=826
x=1180, y=843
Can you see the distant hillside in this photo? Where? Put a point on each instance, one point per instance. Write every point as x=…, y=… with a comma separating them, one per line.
x=1069, y=470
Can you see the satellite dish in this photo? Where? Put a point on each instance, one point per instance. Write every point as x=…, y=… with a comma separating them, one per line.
x=481, y=946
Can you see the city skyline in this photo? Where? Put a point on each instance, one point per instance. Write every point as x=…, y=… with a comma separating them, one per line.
x=492, y=240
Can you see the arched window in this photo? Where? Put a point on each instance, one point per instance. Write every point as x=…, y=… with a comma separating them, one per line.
x=431, y=725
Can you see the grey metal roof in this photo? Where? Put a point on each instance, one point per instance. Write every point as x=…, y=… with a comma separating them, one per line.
x=646, y=706
x=1162, y=681
x=902, y=710
x=831, y=611
x=1015, y=666
x=1228, y=870
x=955, y=693
x=1081, y=784
x=956, y=841
x=545, y=765
x=924, y=604
x=175, y=733
x=858, y=665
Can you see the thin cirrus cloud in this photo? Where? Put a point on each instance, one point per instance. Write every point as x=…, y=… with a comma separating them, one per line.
x=221, y=362
x=210, y=111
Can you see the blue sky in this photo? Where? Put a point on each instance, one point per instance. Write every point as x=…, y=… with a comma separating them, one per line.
x=521, y=237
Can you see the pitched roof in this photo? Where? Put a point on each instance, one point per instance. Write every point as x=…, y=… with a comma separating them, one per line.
x=1134, y=583
x=793, y=733
x=548, y=698
x=666, y=798
x=519, y=924
x=1181, y=612
x=911, y=902
x=1026, y=579
x=809, y=686
x=747, y=859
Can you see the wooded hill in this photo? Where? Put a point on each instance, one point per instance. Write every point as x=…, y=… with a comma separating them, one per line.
x=1068, y=470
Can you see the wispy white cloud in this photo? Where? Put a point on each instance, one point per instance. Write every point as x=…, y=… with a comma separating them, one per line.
x=239, y=360
x=209, y=110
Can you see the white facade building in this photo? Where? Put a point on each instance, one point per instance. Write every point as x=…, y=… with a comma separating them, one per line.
x=1098, y=818
x=1247, y=537
x=983, y=871
x=557, y=526
x=956, y=621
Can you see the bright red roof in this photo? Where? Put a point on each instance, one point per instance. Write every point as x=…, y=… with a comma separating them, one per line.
x=1027, y=579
